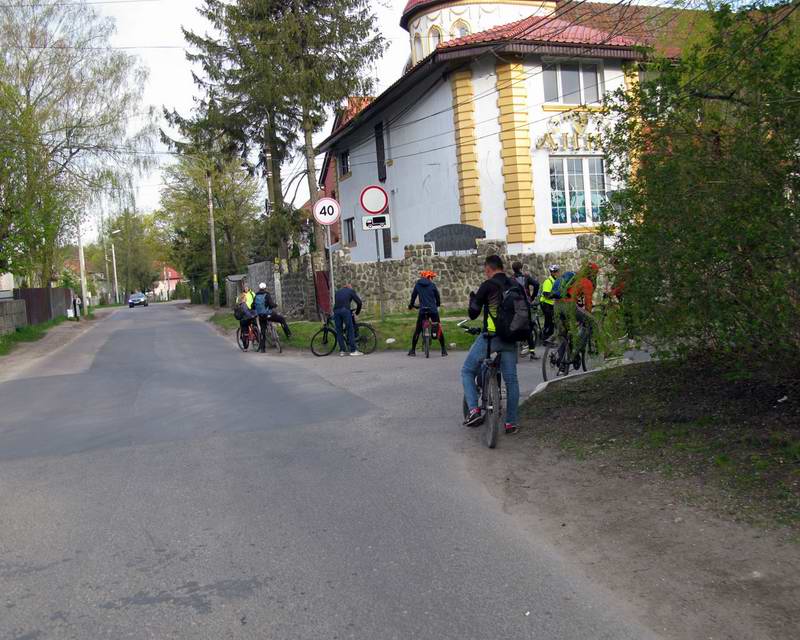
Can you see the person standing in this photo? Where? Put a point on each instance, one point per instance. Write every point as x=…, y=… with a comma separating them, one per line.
x=530, y=286
x=487, y=300
x=548, y=302
x=430, y=300
x=264, y=306
x=343, y=319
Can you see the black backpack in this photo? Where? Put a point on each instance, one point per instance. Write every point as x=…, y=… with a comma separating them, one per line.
x=238, y=312
x=513, y=322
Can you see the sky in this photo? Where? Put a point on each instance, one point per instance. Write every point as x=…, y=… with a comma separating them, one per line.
x=152, y=29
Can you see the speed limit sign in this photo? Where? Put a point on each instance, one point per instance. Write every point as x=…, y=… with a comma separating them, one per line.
x=327, y=211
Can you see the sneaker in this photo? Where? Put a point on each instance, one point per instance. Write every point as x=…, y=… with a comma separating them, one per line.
x=511, y=428
x=474, y=418
x=444, y=353
x=534, y=356
x=525, y=351
x=342, y=353
x=412, y=354
x=356, y=353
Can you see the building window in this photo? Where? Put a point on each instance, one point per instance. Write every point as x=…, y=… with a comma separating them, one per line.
x=419, y=54
x=434, y=38
x=577, y=189
x=350, y=231
x=344, y=163
x=380, y=152
x=573, y=83
x=460, y=29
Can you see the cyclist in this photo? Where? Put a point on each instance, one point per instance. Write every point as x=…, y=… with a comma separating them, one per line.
x=577, y=303
x=429, y=299
x=264, y=306
x=547, y=303
x=343, y=317
x=530, y=285
x=246, y=315
x=248, y=294
x=486, y=301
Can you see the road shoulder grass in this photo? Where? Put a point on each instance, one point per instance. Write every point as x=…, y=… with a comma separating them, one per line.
x=30, y=333
x=732, y=443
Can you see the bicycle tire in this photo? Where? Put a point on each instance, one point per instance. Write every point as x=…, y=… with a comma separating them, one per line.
x=367, y=340
x=550, y=365
x=464, y=407
x=494, y=413
x=426, y=342
x=274, y=338
x=239, y=340
x=323, y=342
x=256, y=338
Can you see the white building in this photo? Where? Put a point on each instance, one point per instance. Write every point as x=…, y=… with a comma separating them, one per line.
x=494, y=123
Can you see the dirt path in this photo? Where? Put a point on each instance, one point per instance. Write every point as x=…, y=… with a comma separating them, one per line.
x=695, y=575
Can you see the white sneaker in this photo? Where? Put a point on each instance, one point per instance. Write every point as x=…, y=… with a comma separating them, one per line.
x=342, y=353
x=356, y=353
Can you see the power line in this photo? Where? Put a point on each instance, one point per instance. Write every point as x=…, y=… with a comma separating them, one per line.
x=29, y=5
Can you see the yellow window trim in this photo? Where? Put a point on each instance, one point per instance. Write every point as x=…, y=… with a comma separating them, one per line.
x=571, y=230
x=577, y=108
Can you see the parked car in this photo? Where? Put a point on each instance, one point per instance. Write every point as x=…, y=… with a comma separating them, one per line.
x=136, y=300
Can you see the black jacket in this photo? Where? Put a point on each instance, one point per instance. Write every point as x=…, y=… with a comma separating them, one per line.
x=428, y=295
x=344, y=297
x=263, y=304
x=529, y=284
x=488, y=297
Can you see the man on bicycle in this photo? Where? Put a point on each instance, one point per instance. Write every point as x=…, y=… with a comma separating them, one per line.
x=343, y=319
x=487, y=301
x=429, y=303
x=547, y=302
x=576, y=305
x=530, y=286
x=264, y=306
x=246, y=314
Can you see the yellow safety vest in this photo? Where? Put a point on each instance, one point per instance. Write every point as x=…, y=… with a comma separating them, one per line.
x=250, y=296
x=547, y=287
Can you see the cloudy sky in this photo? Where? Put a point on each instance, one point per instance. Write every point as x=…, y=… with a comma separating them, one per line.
x=152, y=28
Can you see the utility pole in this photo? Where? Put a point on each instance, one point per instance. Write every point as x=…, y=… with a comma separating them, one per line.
x=85, y=306
x=213, y=240
x=114, y=262
x=105, y=245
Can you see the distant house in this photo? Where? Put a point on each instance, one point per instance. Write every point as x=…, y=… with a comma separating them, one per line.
x=6, y=285
x=168, y=280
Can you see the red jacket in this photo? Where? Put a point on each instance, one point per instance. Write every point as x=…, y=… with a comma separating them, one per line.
x=583, y=290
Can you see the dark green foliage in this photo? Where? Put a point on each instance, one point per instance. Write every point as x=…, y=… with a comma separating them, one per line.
x=708, y=226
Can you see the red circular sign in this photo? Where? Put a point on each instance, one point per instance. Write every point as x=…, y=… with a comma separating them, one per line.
x=374, y=199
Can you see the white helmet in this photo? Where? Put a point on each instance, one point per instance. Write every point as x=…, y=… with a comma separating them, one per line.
x=262, y=285
x=554, y=267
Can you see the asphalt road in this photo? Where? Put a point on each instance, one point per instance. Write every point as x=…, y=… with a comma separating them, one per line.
x=157, y=483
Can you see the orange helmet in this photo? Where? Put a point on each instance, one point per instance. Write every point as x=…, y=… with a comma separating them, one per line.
x=427, y=274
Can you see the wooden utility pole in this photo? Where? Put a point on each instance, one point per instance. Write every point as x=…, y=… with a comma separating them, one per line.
x=215, y=280
x=85, y=305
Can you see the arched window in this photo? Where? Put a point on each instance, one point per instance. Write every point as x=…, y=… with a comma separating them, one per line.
x=419, y=54
x=434, y=38
x=460, y=29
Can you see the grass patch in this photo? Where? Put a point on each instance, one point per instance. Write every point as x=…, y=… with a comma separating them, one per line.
x=30, y=333
x=399, y=326
x=736, y=439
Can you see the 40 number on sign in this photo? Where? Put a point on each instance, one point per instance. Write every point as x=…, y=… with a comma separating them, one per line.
x=327, y=211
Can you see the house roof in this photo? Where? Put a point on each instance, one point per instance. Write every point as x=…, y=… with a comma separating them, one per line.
x=355, y=104
x=543, y=29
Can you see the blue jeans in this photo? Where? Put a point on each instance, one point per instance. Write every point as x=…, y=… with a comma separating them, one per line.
x=508, y=369
x=344, y=320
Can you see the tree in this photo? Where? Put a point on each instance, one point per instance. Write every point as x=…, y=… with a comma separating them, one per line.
x=183, y=216
x=137, y=254
x=708, y=225
x=71, y=98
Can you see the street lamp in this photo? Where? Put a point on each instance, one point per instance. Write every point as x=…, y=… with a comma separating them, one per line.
x=114, y=261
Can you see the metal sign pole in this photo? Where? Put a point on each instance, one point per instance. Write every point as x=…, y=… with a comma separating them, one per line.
x=330, y=260
x=380, y=276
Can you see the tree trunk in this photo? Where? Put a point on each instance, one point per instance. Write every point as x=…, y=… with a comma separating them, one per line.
x=318, y=258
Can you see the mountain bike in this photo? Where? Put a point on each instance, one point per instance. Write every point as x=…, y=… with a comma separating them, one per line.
x=325, y=341
x=271, y=338
x=490, y=391
x=251, y=336
x=430, y=330
x=536, y=333
x=559, y=360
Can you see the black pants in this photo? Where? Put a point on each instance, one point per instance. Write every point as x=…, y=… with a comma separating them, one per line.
x=262, y=323
x=549, y=321
x=418, y=329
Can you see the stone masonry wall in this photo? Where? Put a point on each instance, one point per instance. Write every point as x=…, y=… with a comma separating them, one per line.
x=12, y=315
x=292, y=289
x=456, y=275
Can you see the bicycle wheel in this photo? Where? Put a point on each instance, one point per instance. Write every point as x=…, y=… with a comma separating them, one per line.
x=241, y=340
x=367, y=340
x=274, y=338
x=426, y=341
x=255, y=337
x=551, y=366
x=323, y=342
x=464, y=407
x=494, y=413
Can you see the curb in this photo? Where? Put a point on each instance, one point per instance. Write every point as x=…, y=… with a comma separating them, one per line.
x=612, y=364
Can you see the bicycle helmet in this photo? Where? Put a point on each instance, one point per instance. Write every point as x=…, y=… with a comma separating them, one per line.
x=427, y=274
x=262, y=285
x=554, y=267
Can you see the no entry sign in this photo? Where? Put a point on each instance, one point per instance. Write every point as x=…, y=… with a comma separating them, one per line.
x=374, y=199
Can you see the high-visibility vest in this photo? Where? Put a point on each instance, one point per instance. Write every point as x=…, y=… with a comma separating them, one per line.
x=250, y=296
x=547, y=287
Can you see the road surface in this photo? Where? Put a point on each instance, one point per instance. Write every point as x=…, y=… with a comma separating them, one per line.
x=155, y=482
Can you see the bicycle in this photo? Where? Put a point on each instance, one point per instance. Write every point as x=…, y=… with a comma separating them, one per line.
x=559, y=359
x=536, y=333
x=271, y=338
x=429, y=329
x=324, y=341
x=490, y=394
x=253, y=336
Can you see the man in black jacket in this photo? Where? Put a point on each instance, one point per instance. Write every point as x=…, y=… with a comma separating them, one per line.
x=429, y=302
x=531, y=287
x=264, y=306
x=343, y=318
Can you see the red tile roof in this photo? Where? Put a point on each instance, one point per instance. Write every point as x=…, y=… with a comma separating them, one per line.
x=543, y=29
